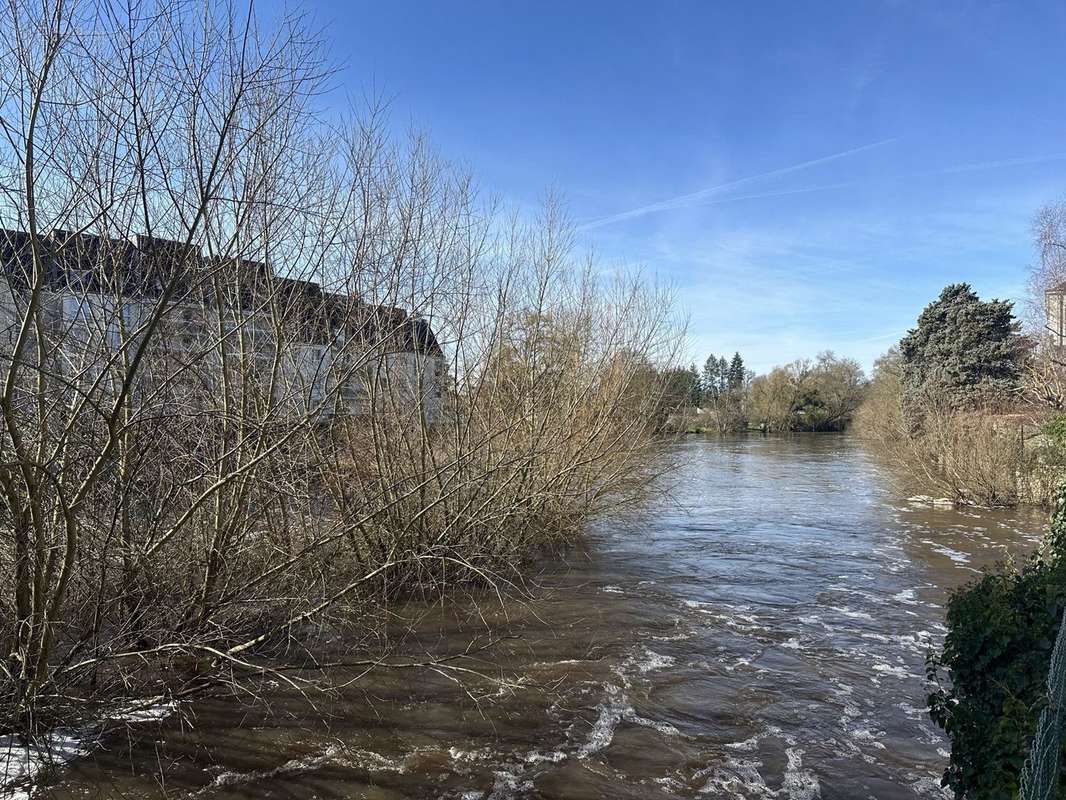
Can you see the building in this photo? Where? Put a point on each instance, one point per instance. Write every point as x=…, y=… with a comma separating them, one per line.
x=1055, y=305
x=337, y=354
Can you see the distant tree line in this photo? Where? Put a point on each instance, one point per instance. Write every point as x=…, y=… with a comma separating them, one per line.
x=820, y=394
x=808, y=395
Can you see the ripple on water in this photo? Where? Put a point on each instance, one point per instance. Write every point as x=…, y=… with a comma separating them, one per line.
x=751, y=646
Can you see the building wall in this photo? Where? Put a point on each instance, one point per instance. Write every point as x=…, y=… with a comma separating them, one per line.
x=9, y=315
x=1056, y=317
x=309, y=374
x=417, y=378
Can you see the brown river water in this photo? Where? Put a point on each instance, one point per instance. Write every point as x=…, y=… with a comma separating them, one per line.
x=761, y=635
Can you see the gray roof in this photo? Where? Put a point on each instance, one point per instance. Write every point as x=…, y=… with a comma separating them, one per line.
x=141, y=268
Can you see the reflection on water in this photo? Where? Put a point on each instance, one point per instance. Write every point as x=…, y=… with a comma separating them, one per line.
x=762, y=636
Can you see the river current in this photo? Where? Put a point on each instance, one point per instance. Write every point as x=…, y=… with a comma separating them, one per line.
x=759, y=635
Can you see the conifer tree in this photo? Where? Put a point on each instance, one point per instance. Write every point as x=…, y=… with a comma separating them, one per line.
x=963, y=352
x=737, y=373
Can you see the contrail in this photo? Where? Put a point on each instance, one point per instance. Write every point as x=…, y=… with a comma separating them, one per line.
x=689, y=199
x=1007, y=162
x=783, y=193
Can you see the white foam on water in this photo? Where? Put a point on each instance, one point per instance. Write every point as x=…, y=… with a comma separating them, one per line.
x=740, y=662
x=563, y=662
x=929, y=735
x=23, y=765
x=733, y=615
x=925, y=786
x=739, y=779
x=895, y=671
x=680, y=636
x=867, y=737
x=537, y=757
x=612, y=589
x=751, y=744
x=611, y=712
x=650, y=661
x=372, y=761
x=865, y=595
x=747, y=745
x=670, y=783
x=917, y=643
x=468, y=755
x=936, y=502
x=664, y=728
x=293, y=766
x=876, y=637
x=912, y=712
x=799, y=783
x=955, y=555
x=508, y=785
x=850, y=710
x=333, y=754
x=906, y=596
x=848, y=612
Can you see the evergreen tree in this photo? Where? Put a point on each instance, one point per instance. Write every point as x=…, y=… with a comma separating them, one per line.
x=736, y=373
x=964, y=351
x=724, y=384
x=712, y=378
x=678, y=388
x=695, y=387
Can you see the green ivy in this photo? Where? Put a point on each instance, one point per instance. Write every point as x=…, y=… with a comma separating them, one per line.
x=1001, y=631
x=1054, y=449
x=1055, y=429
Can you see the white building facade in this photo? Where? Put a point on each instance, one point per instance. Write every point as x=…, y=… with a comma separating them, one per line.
x=317, y=351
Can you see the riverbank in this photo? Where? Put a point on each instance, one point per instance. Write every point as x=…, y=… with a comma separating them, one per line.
x=975, y=458
x=764, y=633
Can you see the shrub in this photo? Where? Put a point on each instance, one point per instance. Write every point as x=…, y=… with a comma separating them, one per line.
x=1054, y=447
x=974, y=456
x=1055, y=430
x=969, y=457
x=1001, y=632
x=271, y=364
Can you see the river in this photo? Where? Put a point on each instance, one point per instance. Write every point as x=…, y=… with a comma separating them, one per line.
x=759, y=635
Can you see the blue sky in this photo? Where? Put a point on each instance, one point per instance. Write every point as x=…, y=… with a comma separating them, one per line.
x=807, y=175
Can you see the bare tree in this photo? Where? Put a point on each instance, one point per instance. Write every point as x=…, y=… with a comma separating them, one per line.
x=259, y=367
x=1045, y=373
